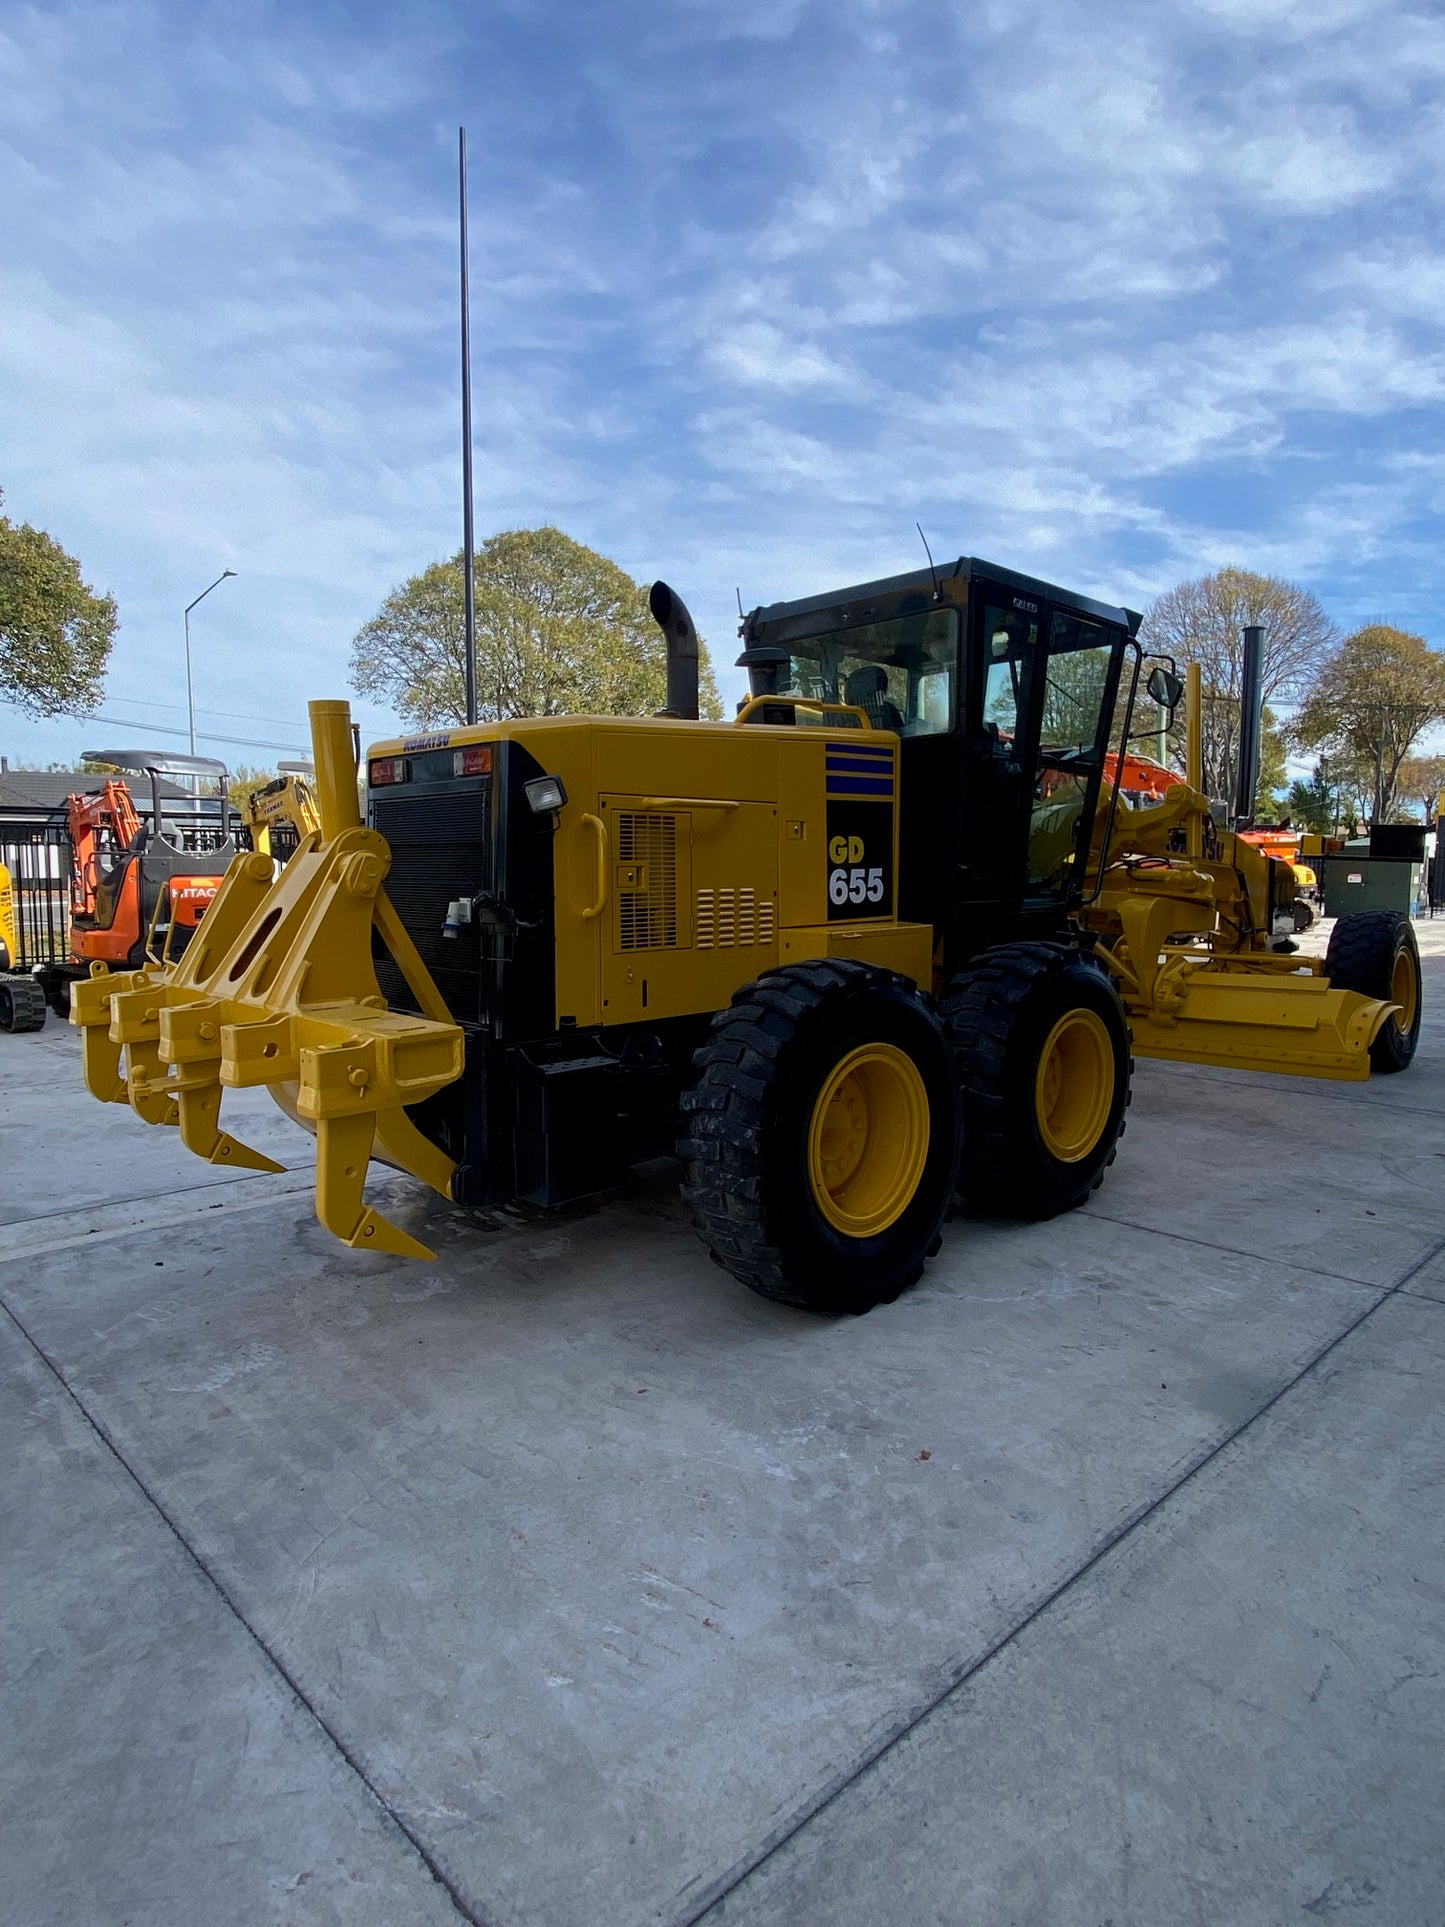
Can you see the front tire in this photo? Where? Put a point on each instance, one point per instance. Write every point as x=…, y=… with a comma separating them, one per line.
x=821, y=1136
x=1375, y=952
x=1042, y=1049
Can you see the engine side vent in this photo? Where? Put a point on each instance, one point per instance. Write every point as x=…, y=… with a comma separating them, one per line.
x=647, y=918
x=728, y=919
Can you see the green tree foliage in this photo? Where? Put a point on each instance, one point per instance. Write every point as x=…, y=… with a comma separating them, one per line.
x=560, y=631
x=1421, y=786
x=55, y=633
x=1374, y=698
x=243, y=779
x=1313, y=804
x=1335, y=798
x=1273, y=777
x=1201, y=622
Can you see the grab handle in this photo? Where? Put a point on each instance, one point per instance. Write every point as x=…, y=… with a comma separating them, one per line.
x=596, y=909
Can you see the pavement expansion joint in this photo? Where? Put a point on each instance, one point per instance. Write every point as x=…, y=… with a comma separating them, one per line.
x=465, y=1910
x=1315, y=1087
x=139, y=1197
x=835, y=1787
x=44, y=1243
x=1230, y=1251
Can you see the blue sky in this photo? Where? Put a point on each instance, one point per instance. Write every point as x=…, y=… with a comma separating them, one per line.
x=1116, y=294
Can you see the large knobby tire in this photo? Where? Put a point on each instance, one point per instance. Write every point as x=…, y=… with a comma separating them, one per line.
x=22, y=1004
x=820, y=1136
x=1375, y=953
x=1042, y=1050
x=56, y=983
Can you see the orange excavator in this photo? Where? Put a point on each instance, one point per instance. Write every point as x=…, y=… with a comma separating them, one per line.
x=1140, y=776
x=136, y=887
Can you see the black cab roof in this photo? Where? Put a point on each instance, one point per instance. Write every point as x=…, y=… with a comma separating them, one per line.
x=909, y=594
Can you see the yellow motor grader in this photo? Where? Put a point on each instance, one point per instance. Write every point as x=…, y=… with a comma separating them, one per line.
x=889, y=936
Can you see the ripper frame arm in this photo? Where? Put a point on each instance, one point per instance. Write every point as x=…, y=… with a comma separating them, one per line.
x=277, y=988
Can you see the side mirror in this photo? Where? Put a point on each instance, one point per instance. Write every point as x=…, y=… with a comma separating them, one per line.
x=1165, y=687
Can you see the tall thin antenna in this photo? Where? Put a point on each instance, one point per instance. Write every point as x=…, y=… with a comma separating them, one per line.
x=929, y=553
x=739, y=594
x=470, y=587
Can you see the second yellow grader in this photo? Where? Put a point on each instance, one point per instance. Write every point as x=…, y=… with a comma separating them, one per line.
x=889, y=937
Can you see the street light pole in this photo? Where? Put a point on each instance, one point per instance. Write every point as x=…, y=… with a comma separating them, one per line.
x=468, y=563
x=190, y=698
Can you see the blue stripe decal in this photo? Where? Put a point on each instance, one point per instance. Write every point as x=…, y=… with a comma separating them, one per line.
x=860, y=786
x=877, y=752
x=850, y=759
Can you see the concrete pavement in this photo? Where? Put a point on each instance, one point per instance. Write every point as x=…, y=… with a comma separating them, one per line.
x=563, y=1581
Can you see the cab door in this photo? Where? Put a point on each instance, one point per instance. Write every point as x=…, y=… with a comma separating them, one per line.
x=1006, y=628
x=1077, y=689
x=1044, y=684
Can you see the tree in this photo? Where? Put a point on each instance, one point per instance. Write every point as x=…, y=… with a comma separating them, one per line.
x=1376, y=695
x=243, y=780
x=1422, y=780
x=1201, y=622
x=560, y=631
x=55, y=632
x=1273, y=777
x=1313, y=805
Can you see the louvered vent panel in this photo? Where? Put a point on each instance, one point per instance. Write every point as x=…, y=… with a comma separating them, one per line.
x=647, y=919
x=733, y=918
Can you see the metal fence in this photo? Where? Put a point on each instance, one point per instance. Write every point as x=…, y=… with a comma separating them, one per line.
x=39, y=864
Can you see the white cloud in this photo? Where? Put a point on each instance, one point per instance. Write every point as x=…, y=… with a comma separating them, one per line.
x=1116, y=297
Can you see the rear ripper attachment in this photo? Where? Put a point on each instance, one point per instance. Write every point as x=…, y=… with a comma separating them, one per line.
x=278, y=988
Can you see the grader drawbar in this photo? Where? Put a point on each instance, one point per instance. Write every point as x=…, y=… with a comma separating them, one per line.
x=891, y=937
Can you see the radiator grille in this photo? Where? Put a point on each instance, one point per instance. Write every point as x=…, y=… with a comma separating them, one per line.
x=647, y=919
x=439, y=846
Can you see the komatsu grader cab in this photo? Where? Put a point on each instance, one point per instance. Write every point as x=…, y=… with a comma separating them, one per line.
x=887, y=938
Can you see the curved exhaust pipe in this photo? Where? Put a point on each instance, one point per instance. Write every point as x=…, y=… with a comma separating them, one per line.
x=669, y=612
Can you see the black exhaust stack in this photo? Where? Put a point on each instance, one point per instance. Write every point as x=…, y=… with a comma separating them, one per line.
x=1251, y=723
x=669, y=612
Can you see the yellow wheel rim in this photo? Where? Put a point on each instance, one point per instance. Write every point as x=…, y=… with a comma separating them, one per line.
x=1405, y=989
x=868, y=1140
x=1074, y=1088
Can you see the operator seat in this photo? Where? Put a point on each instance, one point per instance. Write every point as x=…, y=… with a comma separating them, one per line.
x=867, y=689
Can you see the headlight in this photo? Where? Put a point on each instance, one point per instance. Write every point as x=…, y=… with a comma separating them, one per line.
x=545, y=794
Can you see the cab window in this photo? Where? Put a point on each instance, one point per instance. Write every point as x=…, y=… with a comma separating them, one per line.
x=1076, y=687
x=902, y=674
x=1081, y=654
x=1011, y=638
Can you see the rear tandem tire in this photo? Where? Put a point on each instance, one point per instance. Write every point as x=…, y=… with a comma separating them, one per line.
x=56, y=984
x=1375, y=953
x=820, y=1136
x=1042, y=1049
x=22, y=1004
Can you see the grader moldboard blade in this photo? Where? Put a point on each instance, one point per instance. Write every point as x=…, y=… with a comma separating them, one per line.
x=277, y=988
x=1260, y=1011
